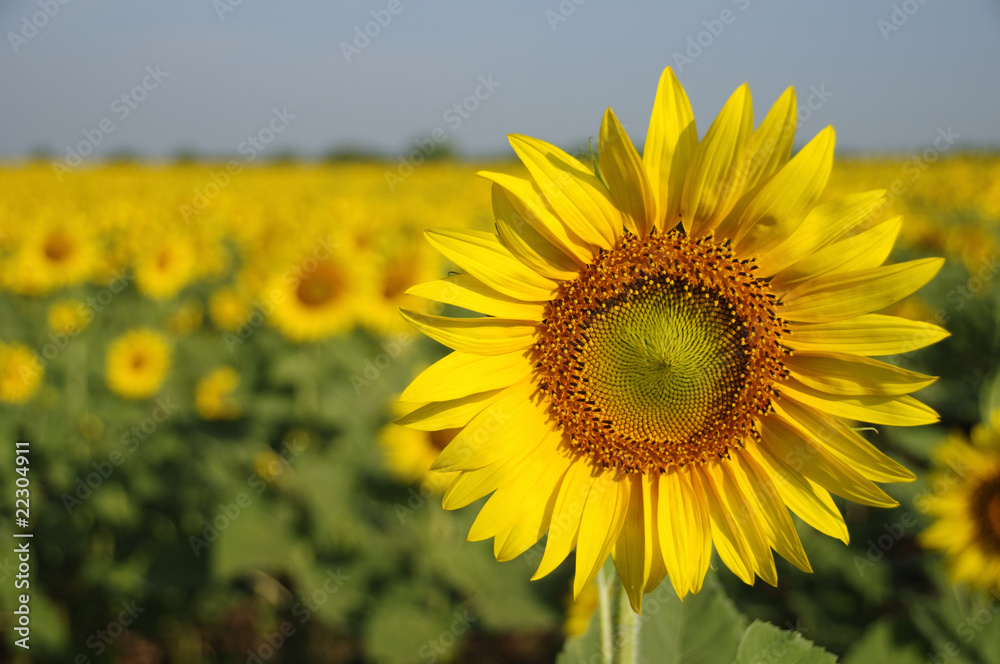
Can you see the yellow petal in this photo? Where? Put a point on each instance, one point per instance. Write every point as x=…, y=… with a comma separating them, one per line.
x=773, y=515
x=573, y=191
x=600, y=524
x=843, y=442
x=863, y=251
x=715, y=179
x=527, y=244
x=840, y=373
x=471, y=485
x=460, y=374
x=621, y=168
x=467, y=292
x=514, y=500
x=650, y=507
x=498, y=431
x=782, y=203
x=671, y=141
x=739, y=506
x=841, y=296
x=529, y=203
x=685, y=530
x=768, y=150
x=902, y=411
x=819, y=465
x=481, y=336
x=632, y=551
x=873, y=334
x=732, y=547
x=824, y=224
x=525, y=533
x=566, y=514
x=484, y=257
x=451, y=414
x=810, y=502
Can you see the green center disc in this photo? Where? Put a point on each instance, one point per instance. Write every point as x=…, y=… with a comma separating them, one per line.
x=664, y=364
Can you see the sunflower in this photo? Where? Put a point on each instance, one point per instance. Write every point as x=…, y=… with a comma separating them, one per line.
x=673, y=346
x=228, y=308
x=20, y=373
x=186, y=318
x=966, y=504
x=53, y=254
x=314, y=299
x=163, y=269
x=213, y=395
x=409, y=454
x=137, y=363
x=68, y=317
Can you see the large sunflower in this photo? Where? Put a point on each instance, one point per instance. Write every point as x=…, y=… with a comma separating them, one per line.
x=672, y=349
x=966, y=504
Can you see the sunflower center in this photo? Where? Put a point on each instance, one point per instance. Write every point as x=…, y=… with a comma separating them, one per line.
x=986, y=511
x=319, y=286
x=663, y=353
x=58, y=247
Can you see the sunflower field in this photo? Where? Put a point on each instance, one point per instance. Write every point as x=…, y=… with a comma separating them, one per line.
x=204, y=362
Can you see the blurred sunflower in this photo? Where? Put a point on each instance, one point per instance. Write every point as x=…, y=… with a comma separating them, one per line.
x=20, y=373
x=634, y=380
x=137, y=363
x=314, y=300
x=386, y=287
x=228, y=309
x=51, y=255
x=68, y=317
x=409, y=454
x=186, y=318
x=162, y=270
x=213, y=395
x=967, y=525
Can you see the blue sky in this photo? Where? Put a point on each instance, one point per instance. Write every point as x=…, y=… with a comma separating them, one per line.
x=891, y=73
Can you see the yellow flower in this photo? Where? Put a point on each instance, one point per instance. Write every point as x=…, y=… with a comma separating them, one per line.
x=20, y=373
x=52, y=254
x=580, y=609
x=634, y=379
x=162, y=270
x=966, y=506
x=409, y=454
x=313, y=300
x=137, y=363
x=228, y=309
x=68, y=317
x=268, y=465
x=213, y=396
x=186, y=318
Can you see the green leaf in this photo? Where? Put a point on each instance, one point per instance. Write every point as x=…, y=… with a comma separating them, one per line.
x=878, y=645
x=763, y=642
x=702, y=629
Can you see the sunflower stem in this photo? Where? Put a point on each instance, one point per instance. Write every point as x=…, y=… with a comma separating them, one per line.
x=628, y=630
x=605, y=591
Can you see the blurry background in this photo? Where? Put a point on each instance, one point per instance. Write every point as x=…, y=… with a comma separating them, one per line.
x=209, y=212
